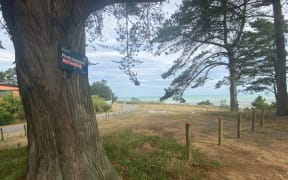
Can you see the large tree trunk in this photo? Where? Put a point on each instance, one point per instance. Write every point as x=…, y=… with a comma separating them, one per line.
x=63, y=138
x=280, y=66
x=233, y=82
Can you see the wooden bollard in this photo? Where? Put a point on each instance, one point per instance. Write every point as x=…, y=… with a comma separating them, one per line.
x=188, y=140
x=2, y=134
x=238, y=125
x=270, y=109
x=220, y=131
x=253, y=120
x=25, y=130
x=262, y=118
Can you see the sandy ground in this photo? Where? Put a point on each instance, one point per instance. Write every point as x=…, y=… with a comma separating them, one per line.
x=262, y=154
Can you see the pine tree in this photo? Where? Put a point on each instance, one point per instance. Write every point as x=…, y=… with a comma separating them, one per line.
x=206, y=33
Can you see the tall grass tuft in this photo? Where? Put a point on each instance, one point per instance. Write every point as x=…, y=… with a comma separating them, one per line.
x=136, y=156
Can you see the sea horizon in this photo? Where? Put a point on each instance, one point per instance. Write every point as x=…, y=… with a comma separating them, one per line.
x=244, y=100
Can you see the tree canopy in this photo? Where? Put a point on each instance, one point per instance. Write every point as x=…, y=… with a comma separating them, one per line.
x=256, y=54
x=206, y=33
x=101, y=89
x=213, y=33
x=8, y=77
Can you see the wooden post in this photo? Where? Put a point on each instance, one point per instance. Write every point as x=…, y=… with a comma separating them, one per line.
x=238, y=125
x=188, y=141
x=2, y=134
x=25, y=130
x=107, y=115
x=220, y=131
x=270, y=109
x=253, y=120
x=262, y=118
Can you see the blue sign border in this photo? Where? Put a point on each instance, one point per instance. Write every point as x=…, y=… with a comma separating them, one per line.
x=72, y=61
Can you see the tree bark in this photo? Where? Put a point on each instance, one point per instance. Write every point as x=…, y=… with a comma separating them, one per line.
x=233, y=82
x=63, y=140
x=280, y=65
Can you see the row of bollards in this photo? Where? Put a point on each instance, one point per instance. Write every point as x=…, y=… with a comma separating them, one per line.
x=108, y=113
x=220, y=130
x=254, y=119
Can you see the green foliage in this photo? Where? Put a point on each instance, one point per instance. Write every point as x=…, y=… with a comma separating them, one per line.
x=99, y=104
x=8, y=77
x=259, y=103
x=134, y=100
x=5, y=117
x=13, y=163
x=207, y=102
x=256, y=56
x=206, y=34
x=136, y=23
x=101, y=89
x=10, y=109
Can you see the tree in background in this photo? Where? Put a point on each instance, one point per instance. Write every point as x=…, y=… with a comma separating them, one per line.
x=280, y=83
x=206, y=33
x=259, y=103
x=8, y=77
x=63, y=138
x=135, y=100
x=101, y=89
x=280, y=52
x=280, y=65
x=256, y=56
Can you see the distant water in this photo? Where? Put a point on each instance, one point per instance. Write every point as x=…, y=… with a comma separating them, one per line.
x=244, y=100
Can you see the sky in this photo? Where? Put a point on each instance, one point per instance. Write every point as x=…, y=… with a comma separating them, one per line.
x=149, y=72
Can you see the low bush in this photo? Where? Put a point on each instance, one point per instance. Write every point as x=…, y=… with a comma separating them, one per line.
x=11, y=109
x=259, y=103
x=207, y=103
x=99, y=104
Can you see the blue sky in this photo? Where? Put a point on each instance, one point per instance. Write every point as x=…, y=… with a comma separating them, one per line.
x=149, y=72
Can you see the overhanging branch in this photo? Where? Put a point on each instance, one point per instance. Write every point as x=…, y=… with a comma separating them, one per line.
x=94, y=5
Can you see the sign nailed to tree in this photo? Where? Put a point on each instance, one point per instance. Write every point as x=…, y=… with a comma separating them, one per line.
x=72, y=61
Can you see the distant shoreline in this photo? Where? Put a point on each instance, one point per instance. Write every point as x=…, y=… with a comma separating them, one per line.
x=243, y=99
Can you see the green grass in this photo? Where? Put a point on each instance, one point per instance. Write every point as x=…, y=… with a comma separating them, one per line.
x=136, y=156
x=13, y=163
x=133, y=155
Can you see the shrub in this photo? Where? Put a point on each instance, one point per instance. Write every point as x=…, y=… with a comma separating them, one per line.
x=99, y=104
x=10, y=108
x=5, y=117
x=135, y=100
x=207, y=102
x=259, y=103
